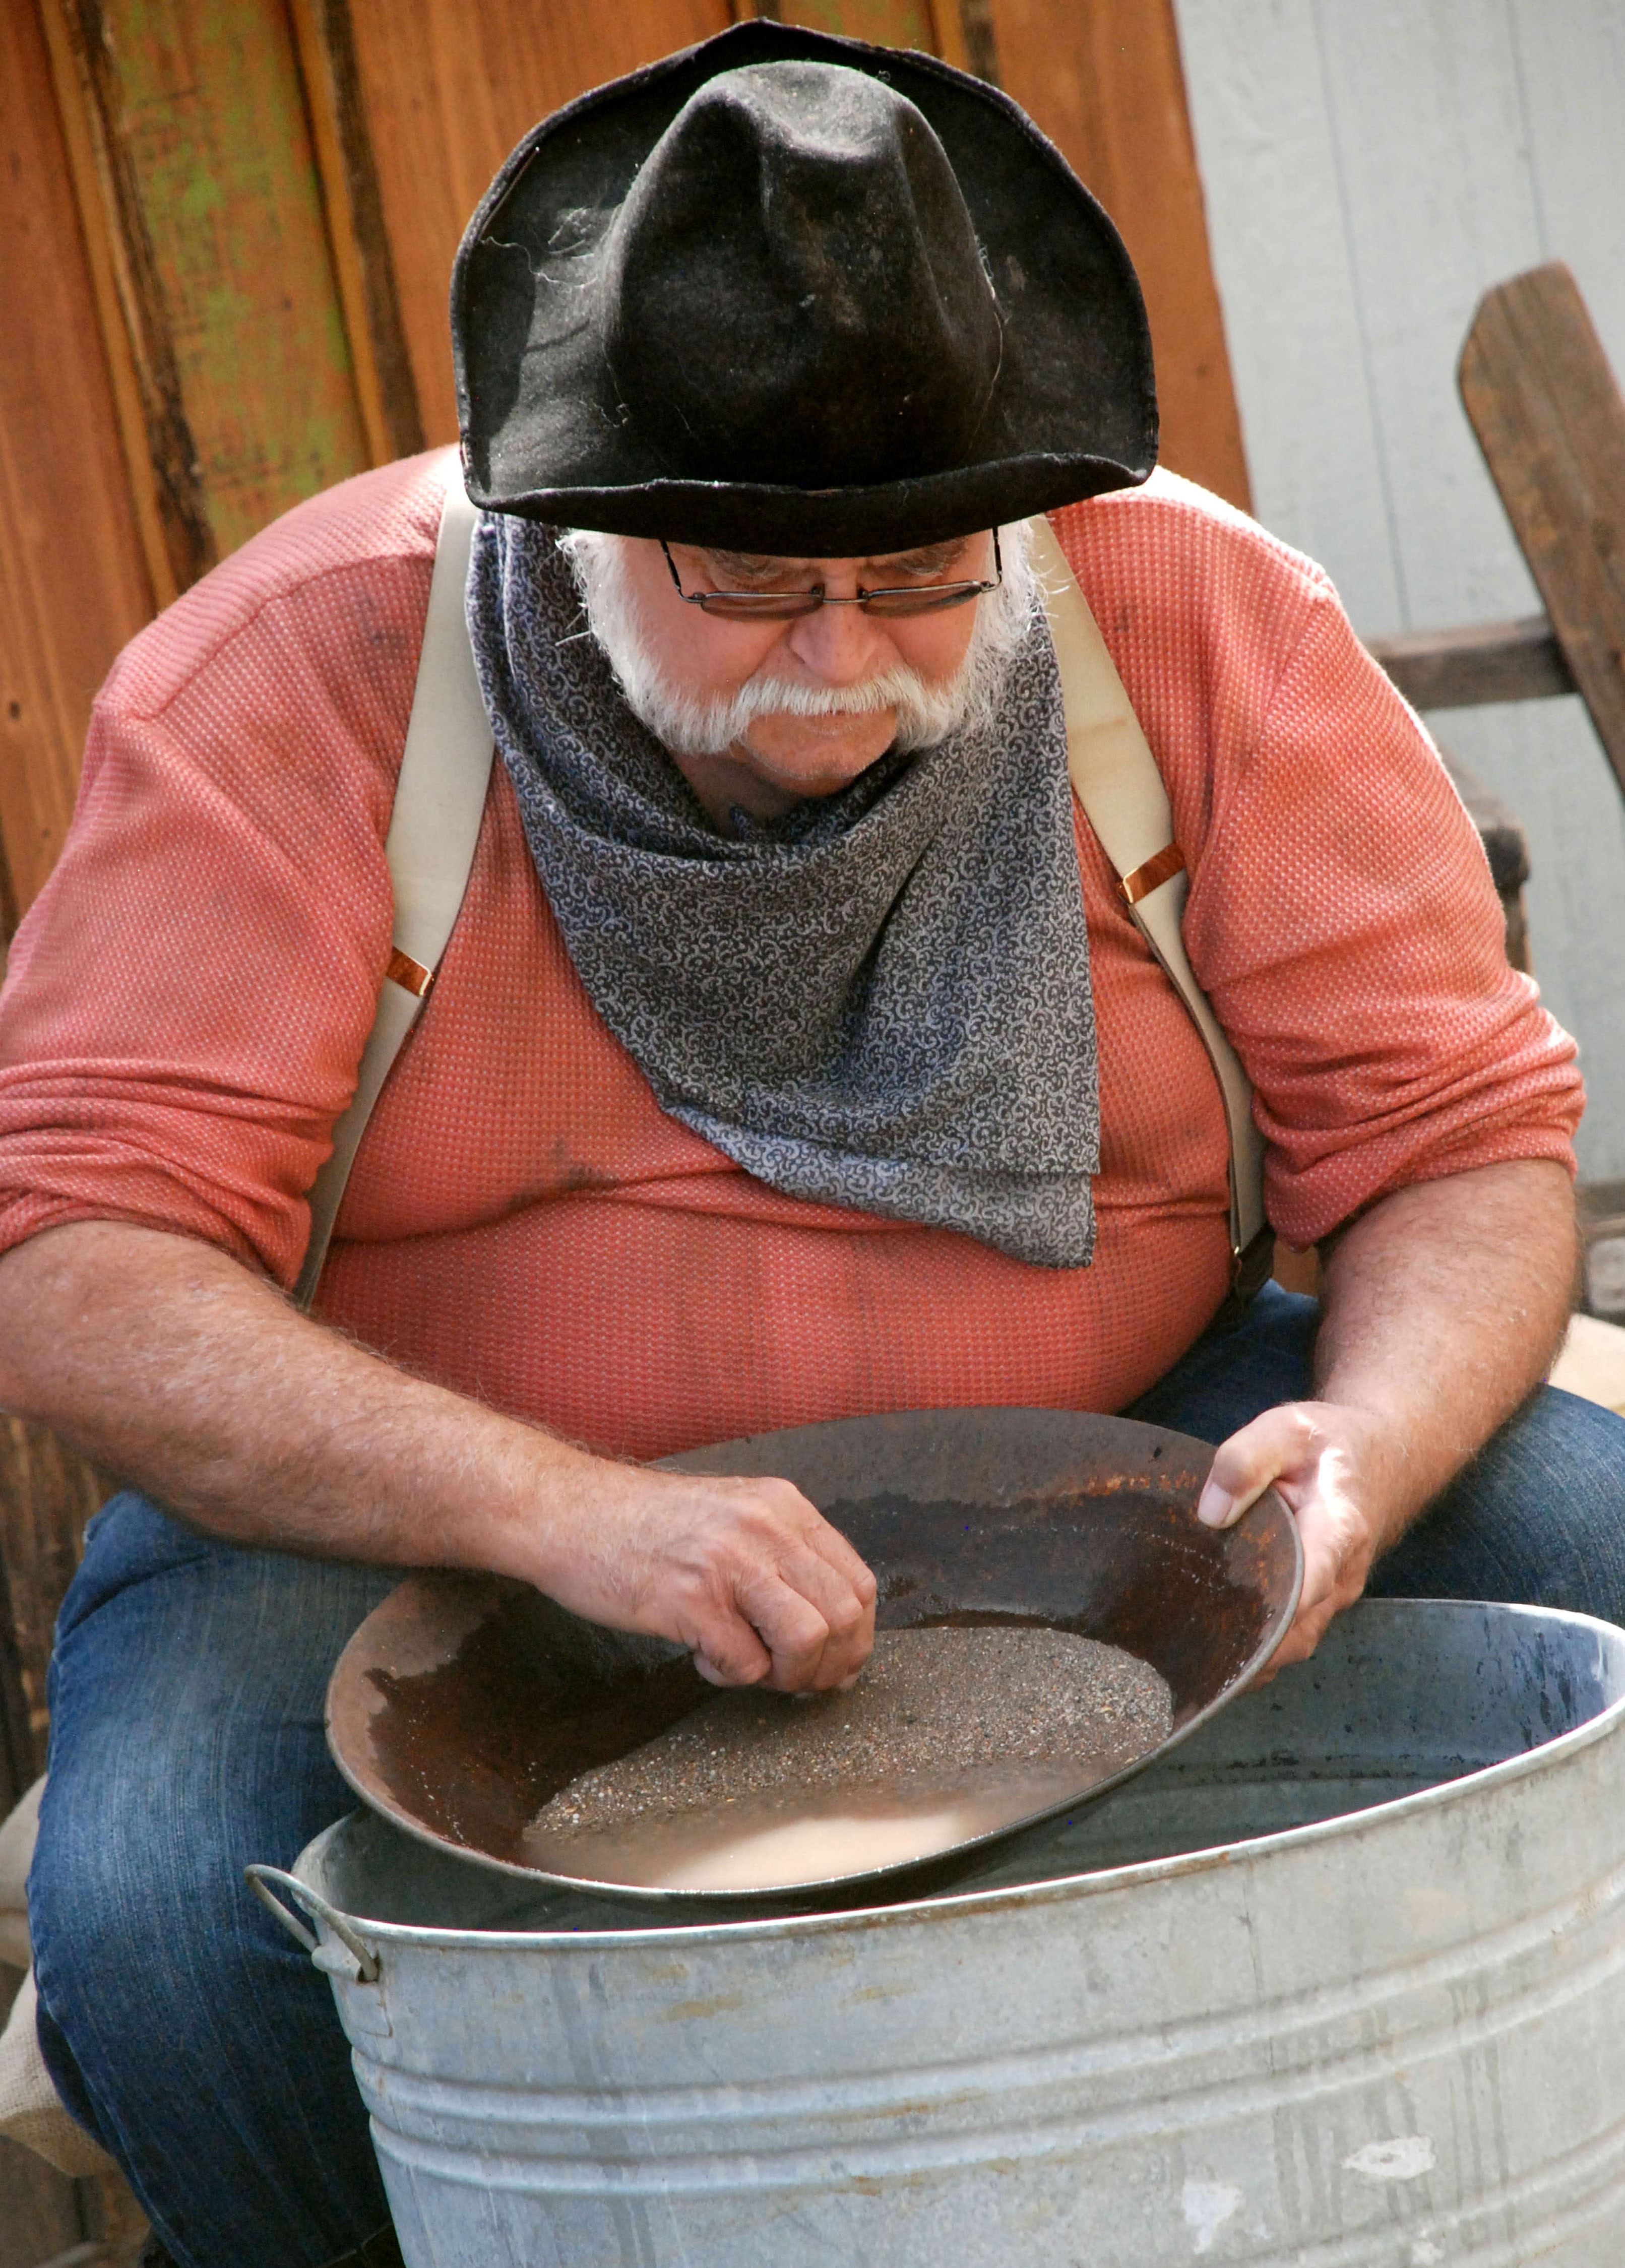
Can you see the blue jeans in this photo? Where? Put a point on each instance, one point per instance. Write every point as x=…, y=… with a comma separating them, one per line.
x=188, y=2032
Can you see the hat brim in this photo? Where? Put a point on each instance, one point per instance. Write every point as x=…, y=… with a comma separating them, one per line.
x=1073, y=412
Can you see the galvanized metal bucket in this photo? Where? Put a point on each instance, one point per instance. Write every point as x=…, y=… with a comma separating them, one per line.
x=1341, y=1983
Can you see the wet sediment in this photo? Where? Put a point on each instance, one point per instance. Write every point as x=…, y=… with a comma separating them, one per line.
x=936, y=1705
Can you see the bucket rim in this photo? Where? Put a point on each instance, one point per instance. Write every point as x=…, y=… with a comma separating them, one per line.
x=1092, y=1883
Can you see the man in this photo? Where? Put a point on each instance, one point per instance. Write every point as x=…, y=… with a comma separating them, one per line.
x=779, y=1067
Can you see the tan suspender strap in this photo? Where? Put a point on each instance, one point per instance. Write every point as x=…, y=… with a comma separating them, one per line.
x=440, y=802
x=1116, y=779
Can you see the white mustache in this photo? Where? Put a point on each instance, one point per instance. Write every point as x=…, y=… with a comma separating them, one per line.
x=767, y=693
x=709, y=725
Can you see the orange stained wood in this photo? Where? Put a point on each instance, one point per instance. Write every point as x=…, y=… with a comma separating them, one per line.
x=73, y=580
x=448, y=87
x=204, y=146
x=363, y=268
x=947, y=28
x=1103, y=80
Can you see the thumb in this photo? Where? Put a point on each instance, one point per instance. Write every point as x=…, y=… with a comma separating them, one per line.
x=728, y=1652
x=1250, y=1462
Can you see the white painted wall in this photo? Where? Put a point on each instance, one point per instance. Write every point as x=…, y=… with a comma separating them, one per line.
x=1371, y=167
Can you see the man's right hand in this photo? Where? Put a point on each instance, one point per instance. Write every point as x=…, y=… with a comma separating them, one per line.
x=746, y=1573
x=170, y=1364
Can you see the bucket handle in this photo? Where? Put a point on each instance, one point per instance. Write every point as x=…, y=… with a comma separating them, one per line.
x=259, y=1879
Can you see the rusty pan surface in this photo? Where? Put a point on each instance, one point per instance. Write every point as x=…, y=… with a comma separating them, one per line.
x=464, y=1702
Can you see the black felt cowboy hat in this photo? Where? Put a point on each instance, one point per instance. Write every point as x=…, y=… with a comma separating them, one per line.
x=793, y=294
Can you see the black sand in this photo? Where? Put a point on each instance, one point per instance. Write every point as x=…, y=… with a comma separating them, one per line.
x=933, y=1705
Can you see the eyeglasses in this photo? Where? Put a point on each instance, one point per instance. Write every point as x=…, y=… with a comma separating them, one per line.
x=786, y=605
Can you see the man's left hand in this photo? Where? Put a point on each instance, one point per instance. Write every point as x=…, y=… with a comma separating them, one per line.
x=1443, y=1306
x=1326, y=1461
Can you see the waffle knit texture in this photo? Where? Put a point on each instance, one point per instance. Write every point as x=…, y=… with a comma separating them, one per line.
x=190, y=994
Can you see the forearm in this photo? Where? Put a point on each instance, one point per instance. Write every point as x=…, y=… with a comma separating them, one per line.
x=166, y=1362
x=169, y=1363
x=1443, y=1307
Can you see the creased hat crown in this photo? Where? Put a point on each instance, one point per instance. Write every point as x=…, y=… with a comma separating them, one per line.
x=793, y=292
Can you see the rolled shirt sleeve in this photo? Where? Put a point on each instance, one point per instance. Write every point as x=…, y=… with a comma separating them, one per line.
x=189, y=996
x=1343, y=919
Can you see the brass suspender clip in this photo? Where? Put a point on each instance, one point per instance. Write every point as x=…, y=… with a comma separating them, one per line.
x=1152, y=874
x=1249, y=1272
x=410, y=975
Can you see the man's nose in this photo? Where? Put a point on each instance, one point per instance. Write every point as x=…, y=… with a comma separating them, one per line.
x=840, y=646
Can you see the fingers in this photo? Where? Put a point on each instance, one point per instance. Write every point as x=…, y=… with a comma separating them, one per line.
x=751, y=1577
x=807, y=1656
x=730, y=1652
x=845, y=1600
x=807, y=1597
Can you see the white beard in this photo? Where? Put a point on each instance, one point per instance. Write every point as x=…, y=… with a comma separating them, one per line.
x=709, y=725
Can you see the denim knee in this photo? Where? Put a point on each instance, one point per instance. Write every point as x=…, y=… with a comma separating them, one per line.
x=185, y=1739
x=1536, y=1518
x=1234, y=1373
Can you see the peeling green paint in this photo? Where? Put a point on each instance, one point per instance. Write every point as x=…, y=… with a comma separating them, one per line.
x=888, y=23
x=213, y=117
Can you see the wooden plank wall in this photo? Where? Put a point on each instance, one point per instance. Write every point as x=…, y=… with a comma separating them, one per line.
x=74, y=583
x=201, y=178
x=1550, y=419
x=179, y=368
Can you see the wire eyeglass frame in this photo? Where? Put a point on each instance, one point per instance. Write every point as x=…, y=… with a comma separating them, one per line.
x=892, y=603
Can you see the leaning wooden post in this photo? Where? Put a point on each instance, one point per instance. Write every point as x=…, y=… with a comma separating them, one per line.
x=1550, y=420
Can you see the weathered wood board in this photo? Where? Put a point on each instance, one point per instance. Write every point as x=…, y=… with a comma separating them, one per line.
x=195, y=246
x=1104, y=81
x=364, y=264
x=203, y=147
x=448, y=87
x=1482, y=662
x=1550, y=419
x=73, y=579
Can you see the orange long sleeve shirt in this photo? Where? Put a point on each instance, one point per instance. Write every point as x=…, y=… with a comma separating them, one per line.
x=189, y=997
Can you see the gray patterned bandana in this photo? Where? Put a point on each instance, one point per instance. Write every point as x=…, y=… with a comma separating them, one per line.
x=881, y=1001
